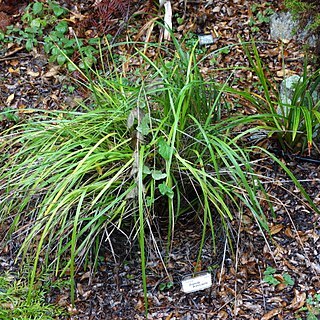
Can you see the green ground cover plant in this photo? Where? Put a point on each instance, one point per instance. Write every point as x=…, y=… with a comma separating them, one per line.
x=9, y=115
x=14, y=305
x=43, y=23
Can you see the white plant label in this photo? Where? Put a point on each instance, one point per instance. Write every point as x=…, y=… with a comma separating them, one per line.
x=205, y=39
x=199, y=282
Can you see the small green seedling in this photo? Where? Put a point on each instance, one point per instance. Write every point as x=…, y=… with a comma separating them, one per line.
x=165, y=286
x=191, y=41
x=269, y=277
x=180, y=20
x=287, y=279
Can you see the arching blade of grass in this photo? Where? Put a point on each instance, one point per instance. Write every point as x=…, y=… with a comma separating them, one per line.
x=293, y=178
x=142, y=221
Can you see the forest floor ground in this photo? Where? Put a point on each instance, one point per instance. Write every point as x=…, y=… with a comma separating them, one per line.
x=241, y=289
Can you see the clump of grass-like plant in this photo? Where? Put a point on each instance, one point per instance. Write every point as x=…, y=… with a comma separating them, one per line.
x=293, y=120
x=69, y=179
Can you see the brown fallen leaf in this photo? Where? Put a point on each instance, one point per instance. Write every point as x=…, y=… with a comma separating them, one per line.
x=246, y=219
x=5, y=21
x=52, y=72
x=140, y=305
x=75, y=17
x=24, y=110
x=223, y=315
x=169, y=316
x=298, y=301
x=270, y=314
x=15, y=71
x=276, y=229
x=10, y=99
x=32, y=73
x=281, y=286
x=62, y=300
x=86, y=275
x=285, y=73
x=14, y=62
x=290, y=266
x=288, y=232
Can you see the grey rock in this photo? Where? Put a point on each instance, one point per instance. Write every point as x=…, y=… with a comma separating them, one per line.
x=284, y=26
x=287, y=88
